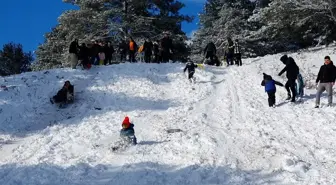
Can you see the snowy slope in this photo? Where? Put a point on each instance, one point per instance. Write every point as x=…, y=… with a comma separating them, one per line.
x=229, y=134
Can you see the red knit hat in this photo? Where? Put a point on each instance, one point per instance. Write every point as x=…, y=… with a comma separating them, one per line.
x=126, y=122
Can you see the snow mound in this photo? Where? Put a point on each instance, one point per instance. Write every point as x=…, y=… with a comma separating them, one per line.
x=219, y=130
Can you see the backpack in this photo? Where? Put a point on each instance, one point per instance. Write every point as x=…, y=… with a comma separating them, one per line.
x=141, y=49
x=131, y=46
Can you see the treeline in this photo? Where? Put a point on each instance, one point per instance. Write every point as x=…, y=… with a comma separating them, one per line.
x=267, y=26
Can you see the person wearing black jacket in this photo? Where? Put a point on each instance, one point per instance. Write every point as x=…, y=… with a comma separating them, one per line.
x=237, y=53
x=190, y=66
x=73, y=51
x=210, y=51
x=123, y=48
x=326, y=79
x=148, y=47
x=65, y=95
x=109, y=50
x=83, y=55
x=156, y=51
x=167, y=46
x=230, y=51
x=292, y=71
x=94, y=50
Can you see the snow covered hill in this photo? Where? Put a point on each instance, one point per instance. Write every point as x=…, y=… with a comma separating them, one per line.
x=228, y=135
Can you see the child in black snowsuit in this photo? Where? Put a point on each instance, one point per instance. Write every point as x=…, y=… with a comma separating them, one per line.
x=65, y=95
x=270, y=88
x=191, y=66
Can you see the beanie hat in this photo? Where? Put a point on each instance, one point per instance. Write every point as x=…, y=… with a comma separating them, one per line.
x=284, y=58
x=126, y=122
x=327, y=57
x=267, y=77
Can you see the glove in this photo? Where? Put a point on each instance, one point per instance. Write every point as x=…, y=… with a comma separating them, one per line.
x=317, y=85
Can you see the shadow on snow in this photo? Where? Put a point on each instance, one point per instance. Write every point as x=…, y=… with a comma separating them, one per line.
x=133, y=174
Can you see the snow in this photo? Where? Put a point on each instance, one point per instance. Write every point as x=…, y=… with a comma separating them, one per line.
x=228, y=135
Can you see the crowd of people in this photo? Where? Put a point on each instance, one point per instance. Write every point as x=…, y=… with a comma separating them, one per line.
x=232, y=53
x=103, y=52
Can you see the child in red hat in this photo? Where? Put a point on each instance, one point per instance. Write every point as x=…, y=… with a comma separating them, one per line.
x=127, y=132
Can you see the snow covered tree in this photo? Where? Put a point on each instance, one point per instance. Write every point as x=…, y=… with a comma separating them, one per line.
x=294, y=24
x=221, y=19
x=13, y=60
x=93, y=20
x=112, y=19
x=267, y=26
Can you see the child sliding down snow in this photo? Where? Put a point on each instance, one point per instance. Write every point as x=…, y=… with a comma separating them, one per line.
x=127, y=132
x=65, y=95
x=270, y=88
x=191, y=70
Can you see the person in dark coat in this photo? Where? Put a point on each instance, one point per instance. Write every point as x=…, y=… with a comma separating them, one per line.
x=123, y=48
x=73, y=52
x=292, y=71
x=148, y=48
x=210, y=51
x=94, y=50
x=325, y=81
x=230, y=51
x=270, y=88
x=167, y=46
x=84, y=55
x=190, y=66
x=156, y=51
x=237, y=53
x=65, y=95
x=109, y=50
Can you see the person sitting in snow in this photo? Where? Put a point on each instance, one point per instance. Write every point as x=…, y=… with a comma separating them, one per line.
x=65, y=95
x=127, y=132
x=191, y=66
x=270, y=88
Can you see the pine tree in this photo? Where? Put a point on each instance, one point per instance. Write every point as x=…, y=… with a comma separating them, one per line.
x=221, y=19
x=113, y=20
x=13, y=60
x=294, y=24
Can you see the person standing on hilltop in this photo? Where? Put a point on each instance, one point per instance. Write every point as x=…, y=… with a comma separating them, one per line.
x=73, y=51
x=132, y=50
x=210, y=51
x=167, y=46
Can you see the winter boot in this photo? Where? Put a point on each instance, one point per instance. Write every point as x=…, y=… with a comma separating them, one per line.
x=288, y=97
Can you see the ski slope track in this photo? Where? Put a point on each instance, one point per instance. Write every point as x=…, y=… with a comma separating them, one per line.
x=228, y=134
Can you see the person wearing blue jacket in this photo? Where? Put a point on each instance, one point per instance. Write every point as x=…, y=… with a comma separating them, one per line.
x=270, y=88
x=299, y=86
x=127, y=132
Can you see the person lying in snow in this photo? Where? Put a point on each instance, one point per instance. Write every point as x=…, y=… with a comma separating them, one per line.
x=127, y=132
x=190, y=65
x=65, y=95
x=270, y=88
